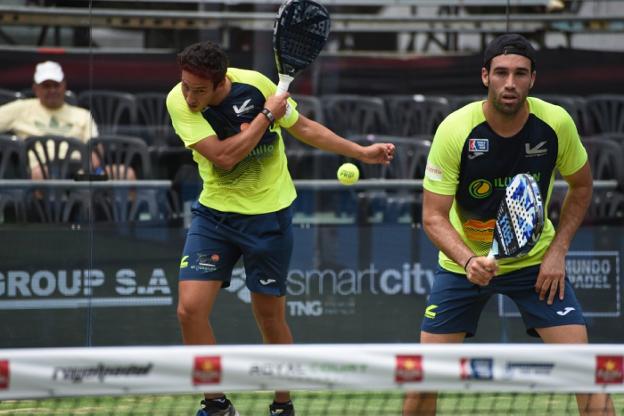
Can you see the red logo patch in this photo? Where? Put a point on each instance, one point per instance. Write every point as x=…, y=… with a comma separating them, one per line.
x=609, y=369
x=4, y=374
x=408, y=368
x=207, y=370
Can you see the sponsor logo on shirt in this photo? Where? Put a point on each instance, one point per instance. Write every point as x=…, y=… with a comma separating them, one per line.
x=476, y=230
x=433, y=172
x=535, y=151
x=480, y=188
x=244, y=108
x=477, y=147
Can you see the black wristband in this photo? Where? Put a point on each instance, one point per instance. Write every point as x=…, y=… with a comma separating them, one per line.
x=268, y=114
x=468, y=261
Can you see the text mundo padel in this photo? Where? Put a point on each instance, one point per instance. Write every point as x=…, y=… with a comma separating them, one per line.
x=589, y=273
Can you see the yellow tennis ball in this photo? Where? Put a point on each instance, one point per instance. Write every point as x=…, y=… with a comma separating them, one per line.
x=348, y=174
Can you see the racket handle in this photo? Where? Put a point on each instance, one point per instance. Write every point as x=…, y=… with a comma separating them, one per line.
x=493, y=250
x=284, y=83
x=282, y=87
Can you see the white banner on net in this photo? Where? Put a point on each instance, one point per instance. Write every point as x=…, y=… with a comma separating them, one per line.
x=49, y=372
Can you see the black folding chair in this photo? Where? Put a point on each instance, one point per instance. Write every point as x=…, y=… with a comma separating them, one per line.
x=111, y=110
x=57, y=157
x=411, y=115
x=605, y=113
x=355, y=114
x=153, y=121
x=127, y=158
x=12, y=166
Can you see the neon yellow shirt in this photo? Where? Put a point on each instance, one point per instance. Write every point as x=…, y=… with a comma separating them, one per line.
x=258, y=184
x=474, y=164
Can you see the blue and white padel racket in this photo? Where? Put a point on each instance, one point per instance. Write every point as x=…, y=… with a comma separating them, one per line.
x=520, y=219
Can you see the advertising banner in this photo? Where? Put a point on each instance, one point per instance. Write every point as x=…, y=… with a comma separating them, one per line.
x=33, y=373
x=347, y=283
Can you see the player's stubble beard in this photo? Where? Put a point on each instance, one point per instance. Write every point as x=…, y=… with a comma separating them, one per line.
x=509, y=109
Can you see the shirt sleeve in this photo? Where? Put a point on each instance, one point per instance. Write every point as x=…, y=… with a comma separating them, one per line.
x=442, y=171
x=571, y=155
x=268, y=88
x=191, y=127
x=291, y=116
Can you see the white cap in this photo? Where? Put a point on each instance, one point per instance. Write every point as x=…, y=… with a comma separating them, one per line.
x=48, y=71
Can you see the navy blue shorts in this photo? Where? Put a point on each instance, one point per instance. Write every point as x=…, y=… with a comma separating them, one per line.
x=216, y=240
x=455, y=304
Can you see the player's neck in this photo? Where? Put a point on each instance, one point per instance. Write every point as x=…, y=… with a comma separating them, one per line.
x=503, y=124
x=222, y=91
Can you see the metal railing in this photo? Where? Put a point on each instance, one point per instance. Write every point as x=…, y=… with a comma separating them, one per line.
x=300, y=184
x=71, y=184
x=413, y=184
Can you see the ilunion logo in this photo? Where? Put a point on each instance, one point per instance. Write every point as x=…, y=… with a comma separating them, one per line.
x=480, y=188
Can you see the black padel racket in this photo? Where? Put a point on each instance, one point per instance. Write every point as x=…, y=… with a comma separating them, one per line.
x=300, y=32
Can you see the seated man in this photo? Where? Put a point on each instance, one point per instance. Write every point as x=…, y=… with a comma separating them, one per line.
x=48, y=113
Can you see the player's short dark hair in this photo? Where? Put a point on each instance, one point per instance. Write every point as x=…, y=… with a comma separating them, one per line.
x=206, y=60
x=509, y=43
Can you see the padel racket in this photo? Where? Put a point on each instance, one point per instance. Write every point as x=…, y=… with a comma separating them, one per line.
x=520, y=219
x=300, y=32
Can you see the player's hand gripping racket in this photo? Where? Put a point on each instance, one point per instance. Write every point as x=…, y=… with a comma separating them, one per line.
x=520, y=219
x=299, y=34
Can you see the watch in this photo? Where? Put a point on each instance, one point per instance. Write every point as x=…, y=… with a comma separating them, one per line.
x=268, y=114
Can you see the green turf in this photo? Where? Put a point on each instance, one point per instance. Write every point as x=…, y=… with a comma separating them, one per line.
x=307, y=404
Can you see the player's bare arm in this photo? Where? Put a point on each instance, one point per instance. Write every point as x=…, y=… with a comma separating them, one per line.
x=436, y=208
x=319, y=136
x=227, y=153
x=552, y=271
